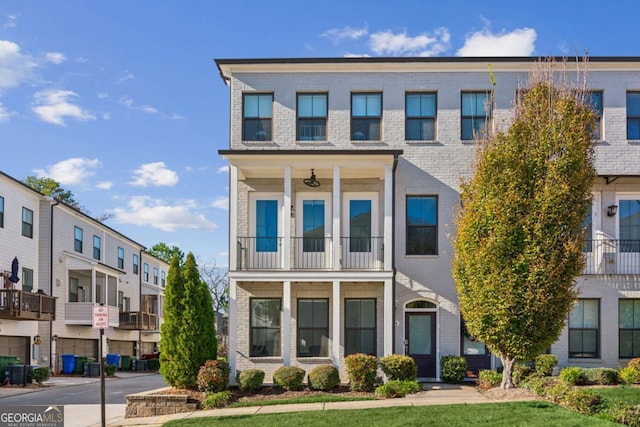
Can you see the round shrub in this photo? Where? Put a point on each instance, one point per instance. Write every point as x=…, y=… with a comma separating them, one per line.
x=289, y=377
x=397, y=388
x=361, y=369
x=634, y=363
x=519, y=373
x=398, y=367
x=535, y=384
x=572, y=375
x=216, y=400
x=558, y=391
x=153, y=364
x=488, y=379
x=453, y=369
x=324, y=377
x=110, y=370
x=600, y=376
x=250, y=380
x=581, y=400
x=213, y=376
x=629, y=375
x=40, y=374
x=544, y=364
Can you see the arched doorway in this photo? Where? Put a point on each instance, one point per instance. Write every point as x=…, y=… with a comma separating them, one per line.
x=420, y=336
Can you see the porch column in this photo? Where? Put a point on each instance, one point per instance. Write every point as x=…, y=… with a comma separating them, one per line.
x=336, y=219
x=233, y=329
x=388, y=317
x=388, y=217
x=286, y=222
x=286, y=323
x=335, y=342
x=94, y=286
x=233, y=218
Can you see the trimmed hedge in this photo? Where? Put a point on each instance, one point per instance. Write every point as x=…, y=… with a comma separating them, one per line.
x=213, y=376
x=453, y=369
x=250, y=380
x=361, y=369
x=40, y=374
x=324, y=377
x=398, y=388
x=216, y=400
x=488, y=379
x=289, y=377
x=399, y=367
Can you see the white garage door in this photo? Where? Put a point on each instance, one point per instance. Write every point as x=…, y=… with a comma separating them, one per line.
x=16, y=347
x=124, y=348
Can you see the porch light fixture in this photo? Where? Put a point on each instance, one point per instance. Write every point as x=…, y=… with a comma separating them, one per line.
x=312, y=181
x=612, y=210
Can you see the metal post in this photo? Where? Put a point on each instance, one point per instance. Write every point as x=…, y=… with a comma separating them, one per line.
x=102, y=391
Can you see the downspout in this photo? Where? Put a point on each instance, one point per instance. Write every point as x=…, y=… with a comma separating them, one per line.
x=139, y=355
x=393, y=244
x=51, y=206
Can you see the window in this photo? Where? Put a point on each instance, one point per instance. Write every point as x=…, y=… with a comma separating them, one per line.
x=594, y=99
x=422, y=225
x=73, y=289
x=476, y=113
x=121, y=258
x=420, y=113
x=360, y=225
x=27, y=279
x=312, y=117
x=313, y=222
x=77, y=239
x=584, y=323
x=629, y=328
x=266, y=225
x=27, y=222
x=366, y=112
x=121, y=301
x=257, y=112
x=145, y=274
x=97, y=246
x=360, y=326
x=155, y=275
x=126, y=304
x=633, y=115
x=265, y=327
x=313, y=327
x=163, y=278
x=135, y=263
x=629, y=222
x=587, y=226
x=1, y=212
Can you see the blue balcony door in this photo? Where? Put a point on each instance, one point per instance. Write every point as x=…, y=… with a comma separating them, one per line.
x=361, y=242
x=265, y=245
x=313, y=231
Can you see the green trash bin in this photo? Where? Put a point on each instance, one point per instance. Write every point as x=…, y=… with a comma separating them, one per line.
x=125, y=362
x=6, y=361
x=80, y=365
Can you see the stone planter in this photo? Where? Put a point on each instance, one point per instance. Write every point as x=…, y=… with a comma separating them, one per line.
x=148, y=404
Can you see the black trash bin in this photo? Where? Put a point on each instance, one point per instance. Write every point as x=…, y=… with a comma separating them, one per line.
x=139, y=365
x=92, y=369
x=19, y=374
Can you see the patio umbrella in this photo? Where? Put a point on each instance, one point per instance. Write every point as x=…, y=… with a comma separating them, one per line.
x=14, y=271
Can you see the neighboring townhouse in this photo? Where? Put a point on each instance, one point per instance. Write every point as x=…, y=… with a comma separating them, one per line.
x=344, y=182
x=79, y=262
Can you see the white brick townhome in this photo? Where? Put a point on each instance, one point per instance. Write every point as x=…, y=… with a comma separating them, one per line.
x=362, y=261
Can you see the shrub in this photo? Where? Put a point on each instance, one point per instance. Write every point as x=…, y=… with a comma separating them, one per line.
x=572, y=375
x=250, y=380
x=488, y=379
x=324, y=377
x=601, y=376
x=581, y=400
x=535, y=384
x=40, y=374
x=623, y=414
x=398, y=367
x=110, y=370
x=153, y=364
x=453, y=369
x=398, y=388
x=544, y=364
x=216, y=400
x=213, y=376
x=289, y=377
x=361, y=369
x=558, y=391
x=520, y=372
x=634, y=363
x=629, y=375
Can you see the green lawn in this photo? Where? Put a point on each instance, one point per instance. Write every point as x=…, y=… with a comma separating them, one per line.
x=309, y=399
x=491, y=414
x=621, y=394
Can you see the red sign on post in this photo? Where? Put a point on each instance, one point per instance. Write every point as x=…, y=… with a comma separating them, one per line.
x=100, y=317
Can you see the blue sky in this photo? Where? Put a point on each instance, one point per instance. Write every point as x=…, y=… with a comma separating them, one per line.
x=121, y=102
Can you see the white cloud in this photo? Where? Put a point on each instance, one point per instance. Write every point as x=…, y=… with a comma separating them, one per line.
x=71, y=171
x=4, y=113
x=156, y=174
x=145, y=211
x=400, y=44
x=55, y=57
x=10, y=22
x=126, y=76
x=103, y=95
x=128, y=102
x=519, y=42
x=104, y=185
x=221, y=203
x=81, y=60
x=356, y=55
x=16, y=67
x=53, y=106
x=223, y=169
x=337, y=34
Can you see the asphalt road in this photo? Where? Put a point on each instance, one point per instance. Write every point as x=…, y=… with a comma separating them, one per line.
x=115, y=391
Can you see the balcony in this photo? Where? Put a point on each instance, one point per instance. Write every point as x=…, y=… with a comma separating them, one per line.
x=81, y=313
x=21, y=305
x=311, y=253
x=612, y=256
x=138, y=320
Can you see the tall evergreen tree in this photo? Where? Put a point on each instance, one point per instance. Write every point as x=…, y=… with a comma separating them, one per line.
x=519, y=238
x=171, y=341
